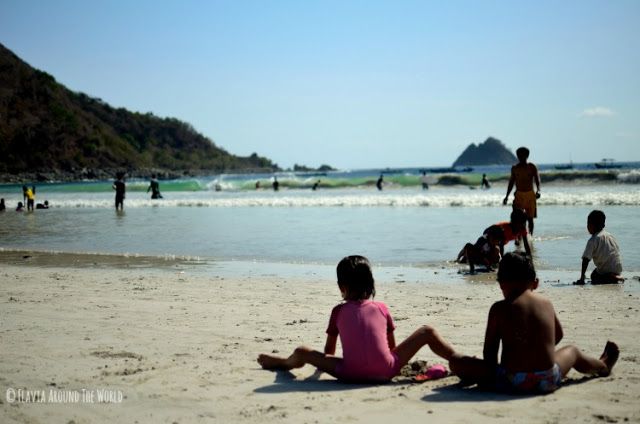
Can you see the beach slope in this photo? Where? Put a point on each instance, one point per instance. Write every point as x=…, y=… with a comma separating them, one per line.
x=177, y=347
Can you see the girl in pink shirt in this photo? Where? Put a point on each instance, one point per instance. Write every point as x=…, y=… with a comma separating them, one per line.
x=366, y=329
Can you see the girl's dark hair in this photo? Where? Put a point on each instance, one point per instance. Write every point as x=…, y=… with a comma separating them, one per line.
x=516, y=267
x=355, y=278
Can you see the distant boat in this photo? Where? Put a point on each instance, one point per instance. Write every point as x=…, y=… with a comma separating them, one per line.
x=564, y=166
x=607, y=164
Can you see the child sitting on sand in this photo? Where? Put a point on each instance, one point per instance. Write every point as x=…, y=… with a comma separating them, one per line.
x=528, y=328
x=485, y=252
x=603, y=249
x=366, y=329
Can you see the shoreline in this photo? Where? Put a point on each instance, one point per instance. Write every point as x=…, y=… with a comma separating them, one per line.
x=435, y=273
x=181, y=346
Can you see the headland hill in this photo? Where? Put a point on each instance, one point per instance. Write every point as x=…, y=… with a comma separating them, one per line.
x=51, y=133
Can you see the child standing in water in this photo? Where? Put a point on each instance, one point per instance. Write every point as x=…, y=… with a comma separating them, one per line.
x=366, y=329
x=120, y=187
x=31, y=197
x=523, y=175
x=528, y=328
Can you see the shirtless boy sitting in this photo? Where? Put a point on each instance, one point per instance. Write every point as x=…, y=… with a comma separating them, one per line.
x=528, y=328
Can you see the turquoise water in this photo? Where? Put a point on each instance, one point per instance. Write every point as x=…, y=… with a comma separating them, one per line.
x=401, y=227
x=627, y=173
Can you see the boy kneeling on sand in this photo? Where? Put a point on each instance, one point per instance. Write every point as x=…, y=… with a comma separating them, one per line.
x=528, y=328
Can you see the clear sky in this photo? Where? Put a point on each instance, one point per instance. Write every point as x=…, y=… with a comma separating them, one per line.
x=355, y=84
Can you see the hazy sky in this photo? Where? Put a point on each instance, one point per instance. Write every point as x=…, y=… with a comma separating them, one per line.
x=355, y=84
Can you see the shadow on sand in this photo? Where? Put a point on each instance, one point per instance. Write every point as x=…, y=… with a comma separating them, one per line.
x=459, y=392
x=286, y=382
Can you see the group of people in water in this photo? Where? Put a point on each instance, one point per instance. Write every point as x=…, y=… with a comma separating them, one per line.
x=119, y=185
x=28, y=199
x=530, y=364
x=120, y=188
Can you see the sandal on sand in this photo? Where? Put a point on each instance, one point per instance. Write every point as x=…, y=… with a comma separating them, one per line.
x=433, y=373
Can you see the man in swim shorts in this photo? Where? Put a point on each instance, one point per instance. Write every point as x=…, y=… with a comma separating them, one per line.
x=523, y=175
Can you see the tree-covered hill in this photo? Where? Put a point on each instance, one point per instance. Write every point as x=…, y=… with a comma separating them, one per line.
x=45, y=127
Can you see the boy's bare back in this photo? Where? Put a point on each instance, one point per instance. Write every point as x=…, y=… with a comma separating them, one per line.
x=528, y=328
x=523, y=175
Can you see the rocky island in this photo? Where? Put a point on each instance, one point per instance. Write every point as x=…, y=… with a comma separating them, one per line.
x=491, y=152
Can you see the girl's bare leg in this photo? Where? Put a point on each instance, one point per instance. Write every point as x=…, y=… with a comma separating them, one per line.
x=425, y=335
x=301, y=356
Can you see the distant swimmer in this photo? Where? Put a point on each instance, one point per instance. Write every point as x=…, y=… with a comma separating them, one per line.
x=44, y=205
x=380, y=182
x=20, y=207
x=485, y=182
x=276, y=184
x=154, y=186
x=424, y=180
x=258, y=185
x=523, y=175
x=120, y=188
x=3, y=207
x=315, y=185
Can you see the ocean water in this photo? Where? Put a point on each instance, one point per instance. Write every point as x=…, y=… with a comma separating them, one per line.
x=401, y=225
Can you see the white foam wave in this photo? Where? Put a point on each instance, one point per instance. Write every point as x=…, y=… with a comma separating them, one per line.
x=631, y=177
x=626, y=198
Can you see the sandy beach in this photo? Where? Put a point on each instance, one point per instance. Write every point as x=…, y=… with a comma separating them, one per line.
x=175, y=346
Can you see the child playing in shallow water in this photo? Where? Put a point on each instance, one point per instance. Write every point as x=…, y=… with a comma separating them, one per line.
x=366, y=329
x=528, y=328
x=514, y=230
x=485, y=251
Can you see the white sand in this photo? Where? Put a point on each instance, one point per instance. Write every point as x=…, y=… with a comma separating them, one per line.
x=182, y=348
